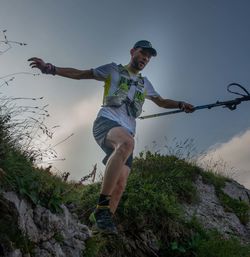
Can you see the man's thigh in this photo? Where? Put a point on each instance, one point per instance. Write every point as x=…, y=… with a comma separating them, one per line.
x=117, y=136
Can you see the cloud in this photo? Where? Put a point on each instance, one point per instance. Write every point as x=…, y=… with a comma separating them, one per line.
x=73, y=137
x=79, y=115
x=231, y=158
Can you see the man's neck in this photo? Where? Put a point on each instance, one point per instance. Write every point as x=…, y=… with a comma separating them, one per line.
x=131, y=70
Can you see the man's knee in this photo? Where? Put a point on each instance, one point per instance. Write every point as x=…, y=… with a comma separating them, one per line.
x=126, y=147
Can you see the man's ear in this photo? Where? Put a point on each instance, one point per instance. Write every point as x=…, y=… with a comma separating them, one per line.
x=132, y=51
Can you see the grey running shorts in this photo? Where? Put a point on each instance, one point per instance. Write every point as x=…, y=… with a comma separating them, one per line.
x=101, y=127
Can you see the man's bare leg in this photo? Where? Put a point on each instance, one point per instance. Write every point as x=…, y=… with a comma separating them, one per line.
x=123, y=144
x=119, y=188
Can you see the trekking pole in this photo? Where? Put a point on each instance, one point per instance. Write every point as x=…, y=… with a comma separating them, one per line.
x=231, y=104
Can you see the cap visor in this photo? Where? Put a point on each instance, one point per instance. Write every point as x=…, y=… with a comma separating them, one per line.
x=151, y=50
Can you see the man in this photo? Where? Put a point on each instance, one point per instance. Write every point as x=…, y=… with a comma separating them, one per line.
x=114, y=128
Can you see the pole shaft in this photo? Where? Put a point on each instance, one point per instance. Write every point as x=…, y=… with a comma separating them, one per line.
x=200, y=107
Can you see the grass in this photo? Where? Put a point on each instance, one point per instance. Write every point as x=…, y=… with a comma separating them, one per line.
x=157, y=188
x=216, y=246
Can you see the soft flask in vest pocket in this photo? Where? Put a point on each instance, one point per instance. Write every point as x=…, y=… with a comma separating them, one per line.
x=135, y=108
x=113, y=100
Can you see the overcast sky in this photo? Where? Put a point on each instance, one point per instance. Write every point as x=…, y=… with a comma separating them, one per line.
x=203, y=45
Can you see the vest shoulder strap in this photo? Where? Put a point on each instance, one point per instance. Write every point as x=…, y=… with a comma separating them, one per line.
x=123, y=70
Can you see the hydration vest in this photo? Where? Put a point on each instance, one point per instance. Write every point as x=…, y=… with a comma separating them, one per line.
x=120, y=96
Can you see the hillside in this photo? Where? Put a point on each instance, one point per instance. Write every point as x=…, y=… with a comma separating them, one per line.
x=170, y=208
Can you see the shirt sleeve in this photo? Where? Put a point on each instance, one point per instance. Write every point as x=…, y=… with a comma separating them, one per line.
x=150, y=91
x=103, y=72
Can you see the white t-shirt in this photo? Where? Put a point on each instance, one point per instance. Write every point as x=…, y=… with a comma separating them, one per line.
x=111, y=72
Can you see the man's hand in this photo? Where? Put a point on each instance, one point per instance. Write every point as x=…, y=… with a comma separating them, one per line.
x=46, y=68
x=37, y=63
x=186, y=107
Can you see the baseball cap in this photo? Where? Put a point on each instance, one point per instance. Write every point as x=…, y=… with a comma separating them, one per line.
x=147, y=45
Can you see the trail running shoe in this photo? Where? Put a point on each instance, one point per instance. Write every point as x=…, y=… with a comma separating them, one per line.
x=102, y=221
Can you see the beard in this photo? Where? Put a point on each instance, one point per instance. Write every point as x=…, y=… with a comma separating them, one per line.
x=138, y=65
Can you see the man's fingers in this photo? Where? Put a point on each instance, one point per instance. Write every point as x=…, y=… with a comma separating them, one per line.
x=34, y=59
x=34, y=64
x=191, y=109
x=188, y=107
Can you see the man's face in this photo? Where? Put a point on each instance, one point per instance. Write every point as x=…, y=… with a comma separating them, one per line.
x=140, y=58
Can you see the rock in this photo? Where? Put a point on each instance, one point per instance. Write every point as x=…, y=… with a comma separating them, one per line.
x=212, y=215
x=237, y=191
x=16, y=253
x=60, y=235
x=25, y=219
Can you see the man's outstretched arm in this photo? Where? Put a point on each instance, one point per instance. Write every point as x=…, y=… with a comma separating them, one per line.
x=74, y=73
x=48, y=68
x=172, y=104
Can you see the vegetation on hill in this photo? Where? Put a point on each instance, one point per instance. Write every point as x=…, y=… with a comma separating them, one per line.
x=157, y=188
